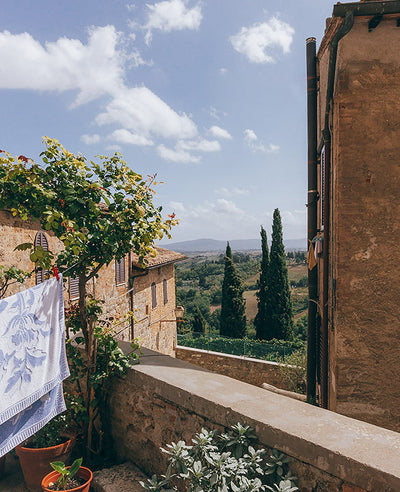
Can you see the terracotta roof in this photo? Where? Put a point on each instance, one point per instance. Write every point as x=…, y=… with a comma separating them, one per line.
x=163, y=257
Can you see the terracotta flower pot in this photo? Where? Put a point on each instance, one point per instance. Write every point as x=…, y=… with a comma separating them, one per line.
x=83, y=473
x=35, y=463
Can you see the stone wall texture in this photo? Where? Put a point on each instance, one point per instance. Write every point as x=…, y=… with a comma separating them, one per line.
x=148, y=325
x=364, y=324
x=252, y=371
x=163, y=399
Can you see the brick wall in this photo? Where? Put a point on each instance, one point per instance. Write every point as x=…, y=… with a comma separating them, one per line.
x=164, y=399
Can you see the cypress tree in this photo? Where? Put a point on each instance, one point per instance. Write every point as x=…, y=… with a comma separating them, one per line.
x=260, y=321
x=198, y=323
x=279, y=304
x=233, y=318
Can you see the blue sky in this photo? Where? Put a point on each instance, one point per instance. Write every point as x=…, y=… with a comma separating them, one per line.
x=209, y=94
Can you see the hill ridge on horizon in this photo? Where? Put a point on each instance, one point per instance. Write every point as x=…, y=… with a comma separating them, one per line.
x=209, y=244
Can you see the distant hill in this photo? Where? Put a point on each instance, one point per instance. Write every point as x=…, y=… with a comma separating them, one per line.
x=205, y=245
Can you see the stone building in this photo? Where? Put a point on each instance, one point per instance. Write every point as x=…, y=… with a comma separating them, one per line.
x=354, y=212
x=123, y=286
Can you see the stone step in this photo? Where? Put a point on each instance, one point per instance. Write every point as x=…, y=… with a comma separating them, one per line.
x=119, y=478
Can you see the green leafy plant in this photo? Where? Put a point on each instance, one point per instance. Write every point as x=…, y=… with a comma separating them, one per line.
x=222, y=463
x=66, y=473
x=100, y=212
x=293, y=371
x=10, y=275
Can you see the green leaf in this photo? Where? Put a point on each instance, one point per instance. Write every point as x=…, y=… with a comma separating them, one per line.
x=75, y=467
x=58, y=466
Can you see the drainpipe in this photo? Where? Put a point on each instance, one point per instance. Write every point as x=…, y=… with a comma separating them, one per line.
x=312, y=199
x=326, y=140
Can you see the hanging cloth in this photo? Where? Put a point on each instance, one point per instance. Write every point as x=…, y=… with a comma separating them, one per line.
x=310, y=256
x=33, y=361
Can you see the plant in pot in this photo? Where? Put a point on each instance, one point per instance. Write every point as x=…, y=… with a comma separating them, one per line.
x=54, y=441
x=66, y=478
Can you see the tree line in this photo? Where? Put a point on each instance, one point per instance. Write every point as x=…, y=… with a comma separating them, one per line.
x=274, y=313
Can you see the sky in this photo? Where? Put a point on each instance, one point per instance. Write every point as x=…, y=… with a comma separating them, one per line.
x=208, y=94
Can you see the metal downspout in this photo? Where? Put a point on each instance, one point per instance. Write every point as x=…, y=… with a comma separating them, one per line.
x=312, y=198
x=326, y=140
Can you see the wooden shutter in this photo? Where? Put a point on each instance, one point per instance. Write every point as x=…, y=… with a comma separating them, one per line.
x=322, y=194
x=153, y=295
x=165, y=291
x=73, y=288
x=120, y=271
x=41, y=240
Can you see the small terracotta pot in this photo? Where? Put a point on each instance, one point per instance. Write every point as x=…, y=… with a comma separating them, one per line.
x=35, y=463
x=83, y=473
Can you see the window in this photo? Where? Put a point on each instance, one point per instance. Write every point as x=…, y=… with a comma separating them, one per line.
x=165, y=291
x=41, y=240
x=73, y=288
x=120, y=271
x=153, y=295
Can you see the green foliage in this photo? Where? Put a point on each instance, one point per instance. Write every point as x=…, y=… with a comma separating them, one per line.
x=222, y=463
x=302, y=282
x=65, y=473
x=260, y=321
x=300, y=328
x=100, y=212
x=10, y=275
x=273, y=350
x=278, y=306
x=233, y=306
x=293, y=371
x=199, y=323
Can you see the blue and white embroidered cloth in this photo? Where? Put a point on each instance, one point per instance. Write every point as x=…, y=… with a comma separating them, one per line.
x=33, y=362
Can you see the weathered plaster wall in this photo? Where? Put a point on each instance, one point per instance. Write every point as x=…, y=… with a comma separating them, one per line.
x=365, y=328
x=164, y=399
x=252, y=371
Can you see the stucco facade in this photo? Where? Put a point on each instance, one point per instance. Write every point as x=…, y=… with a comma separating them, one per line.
x=147, y=292
x=360, y=160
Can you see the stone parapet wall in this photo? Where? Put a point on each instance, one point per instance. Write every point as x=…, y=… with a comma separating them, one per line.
x=252, y=371
x=165, y=399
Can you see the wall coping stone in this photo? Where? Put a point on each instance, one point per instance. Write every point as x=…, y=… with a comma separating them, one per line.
x=241, y=357
x=354, y=451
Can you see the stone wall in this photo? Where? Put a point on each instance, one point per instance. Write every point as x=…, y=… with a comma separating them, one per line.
x=164, y=399
x=364, y=326
x=149, y=328
x=252, y=371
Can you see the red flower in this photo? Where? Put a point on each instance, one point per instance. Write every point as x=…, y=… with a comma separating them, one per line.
x=23, y=158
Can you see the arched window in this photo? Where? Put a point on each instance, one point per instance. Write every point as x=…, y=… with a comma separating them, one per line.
x=153, y=295
x=165, y=291
x=41, y=240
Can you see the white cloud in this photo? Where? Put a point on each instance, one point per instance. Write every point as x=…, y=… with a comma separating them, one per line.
x=114, y=148
x=250, y=136
x=219, y=132
x=125, y=136
x=176, y=155
x=230, y=192
x=201, y=145
x=255, y=145
x=273, y=149
x=93, y=69
x=172, y=15
x=177, y=207
x=90, y=139
x=223, y=71
x=145, y=114
x=258, y=41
